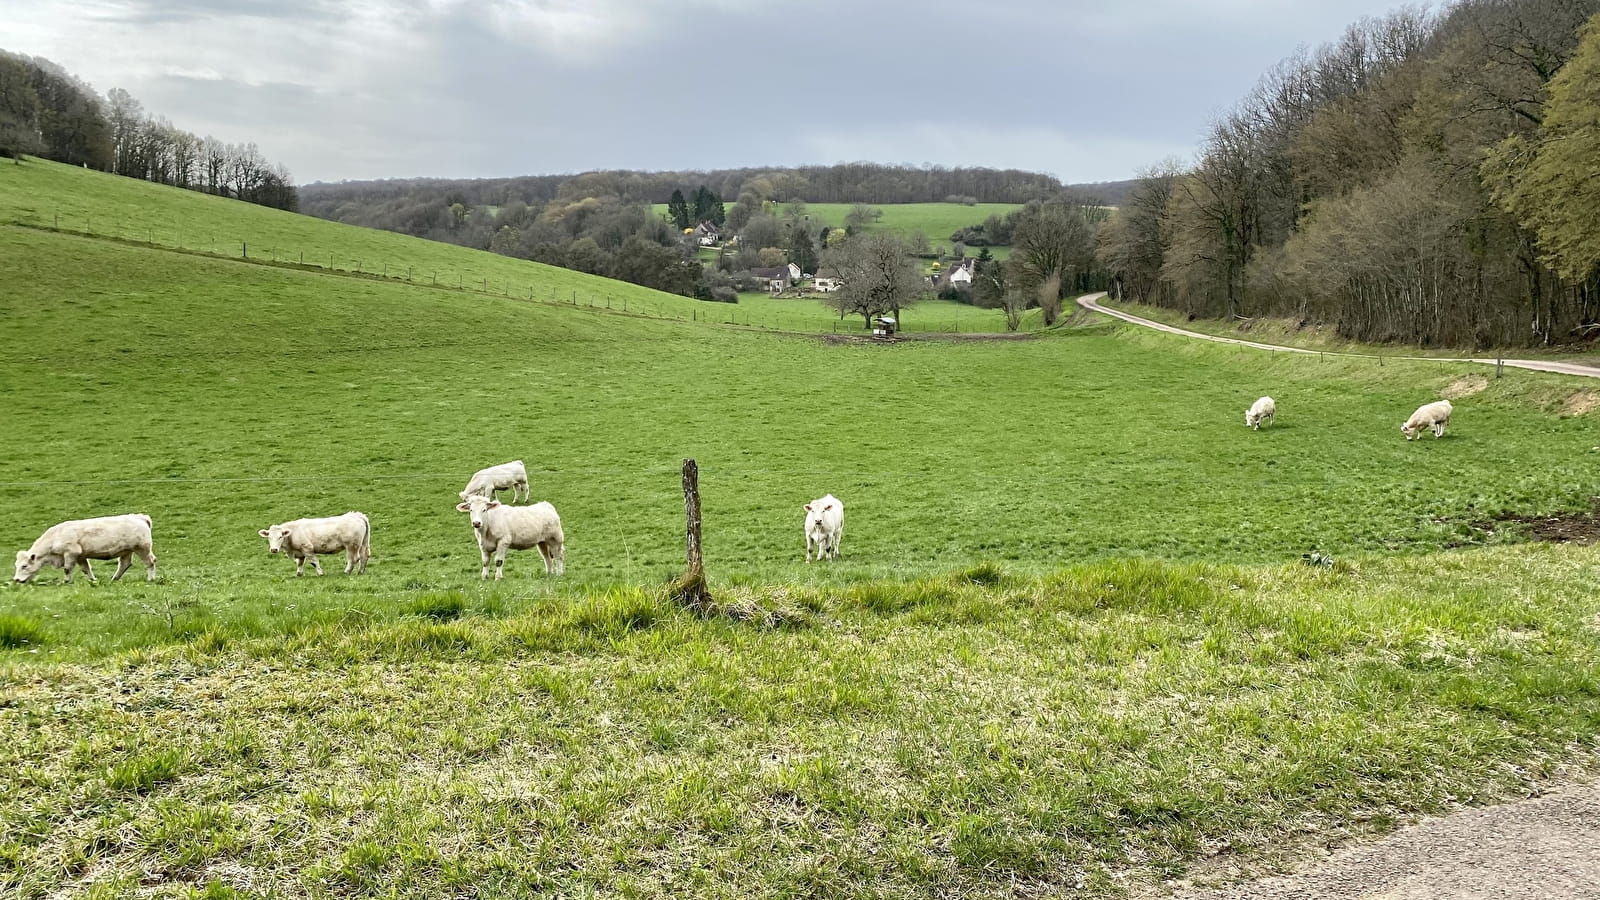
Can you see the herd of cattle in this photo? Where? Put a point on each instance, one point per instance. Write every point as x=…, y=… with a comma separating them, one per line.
x=497, y=526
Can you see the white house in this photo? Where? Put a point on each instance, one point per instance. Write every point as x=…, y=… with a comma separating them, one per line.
x=825, y=282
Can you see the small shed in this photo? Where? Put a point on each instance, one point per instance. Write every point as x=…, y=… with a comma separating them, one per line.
x=885, y=326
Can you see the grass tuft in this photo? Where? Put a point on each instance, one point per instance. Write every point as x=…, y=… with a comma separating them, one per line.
x=142, y=772
x=984, y=573
x=17, y=632
x=440, y=606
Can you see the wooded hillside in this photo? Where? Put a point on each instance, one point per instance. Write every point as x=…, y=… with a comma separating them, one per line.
x=1419, y=180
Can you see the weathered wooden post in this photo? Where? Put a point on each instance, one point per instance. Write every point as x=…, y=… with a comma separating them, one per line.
x=1499, y=366
x=690, y=589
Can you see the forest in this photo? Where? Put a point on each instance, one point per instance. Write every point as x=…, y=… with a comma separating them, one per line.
x=45, y=111
x=1428, y=178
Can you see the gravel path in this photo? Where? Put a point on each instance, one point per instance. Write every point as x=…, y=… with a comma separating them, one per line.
x=1090, y=302
x=1541, y=849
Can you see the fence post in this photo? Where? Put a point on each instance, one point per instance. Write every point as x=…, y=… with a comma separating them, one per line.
x=690, y=589
x=244, y=250
x=1499, y=365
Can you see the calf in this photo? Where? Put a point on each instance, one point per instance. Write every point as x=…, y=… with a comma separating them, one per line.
x=303, y=539
x=824, y=526
x=1263, y=411
x=511, y=476
x=76, y=542
x=500, y=528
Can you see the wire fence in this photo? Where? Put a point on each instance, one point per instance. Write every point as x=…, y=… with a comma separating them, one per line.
x=524, y=287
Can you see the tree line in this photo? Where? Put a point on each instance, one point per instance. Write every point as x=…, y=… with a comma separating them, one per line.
x=840, y=183
x=1419, y=180
x=45, y=111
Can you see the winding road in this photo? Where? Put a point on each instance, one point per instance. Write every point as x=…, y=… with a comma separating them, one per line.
x=1091, y=302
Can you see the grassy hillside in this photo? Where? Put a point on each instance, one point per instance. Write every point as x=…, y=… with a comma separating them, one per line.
x=1070, y=642
x=55, y=196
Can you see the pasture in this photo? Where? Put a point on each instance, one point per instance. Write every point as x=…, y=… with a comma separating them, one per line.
x=1070, y=643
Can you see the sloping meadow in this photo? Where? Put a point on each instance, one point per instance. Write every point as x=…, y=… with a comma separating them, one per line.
x=1071, y=641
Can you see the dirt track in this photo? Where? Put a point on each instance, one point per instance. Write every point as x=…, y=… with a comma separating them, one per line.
x=1090, y=302
x=1548, y=847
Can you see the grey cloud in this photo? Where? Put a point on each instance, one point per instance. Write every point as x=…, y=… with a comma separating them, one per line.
x=1088, y=91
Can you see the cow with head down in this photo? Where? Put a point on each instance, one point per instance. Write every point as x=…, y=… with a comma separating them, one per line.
x=824, y=526
x=511, y=476
x=302, y=539
x=499, y=528
x=73, y=543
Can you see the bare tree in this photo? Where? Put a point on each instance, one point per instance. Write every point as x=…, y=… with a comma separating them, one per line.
x=877, y=276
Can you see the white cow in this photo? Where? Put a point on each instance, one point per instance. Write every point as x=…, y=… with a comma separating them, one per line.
x=824, y=526
x=511, y=476
x=76, y=542
x=1261, y=411
x=303, y=539
x=500, y=528
x=1435, y=415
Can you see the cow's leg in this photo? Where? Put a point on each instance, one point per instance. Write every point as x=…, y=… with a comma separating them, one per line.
x=124, y=563
x=486, y=552
x=350, y=559
x=558, y=553
x=500, y=562
x=544, y=553
x=808, y=548
x=299, y=566
x=83, y=563
x=312, y=558
x=149, y=564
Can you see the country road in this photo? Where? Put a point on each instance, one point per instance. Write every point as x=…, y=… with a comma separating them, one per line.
x=1090, y=302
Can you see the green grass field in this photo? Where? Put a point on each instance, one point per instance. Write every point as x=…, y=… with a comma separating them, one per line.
x=1070, y=648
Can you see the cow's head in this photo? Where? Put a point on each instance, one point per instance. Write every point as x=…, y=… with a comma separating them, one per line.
x=1408, y=431
x=28, y=565
x=275, y=537
x=814, y=511
x=475, y=506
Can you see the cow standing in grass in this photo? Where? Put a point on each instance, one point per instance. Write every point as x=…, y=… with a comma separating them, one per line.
x=1435, y=416
x=302, y=539
x=500, y=528
x=824, y=526
x=75, y=542
x=1261, y=412
x=511, y=476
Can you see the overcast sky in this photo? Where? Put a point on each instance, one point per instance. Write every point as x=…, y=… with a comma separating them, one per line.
x=1087, y=90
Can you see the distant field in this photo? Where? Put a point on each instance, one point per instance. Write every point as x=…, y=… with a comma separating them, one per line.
x=927, y=315
x=1072, y=646
x=937, y=220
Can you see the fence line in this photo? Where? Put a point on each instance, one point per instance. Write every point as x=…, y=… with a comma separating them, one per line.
x=476, y=283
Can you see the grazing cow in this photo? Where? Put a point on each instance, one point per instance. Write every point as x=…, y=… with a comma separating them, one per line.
x=824, y=526
x=76, y=542
x=303, y=539
x=1263, y=411
x=511, y=476
x=500, y=528
x=1435, y=415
